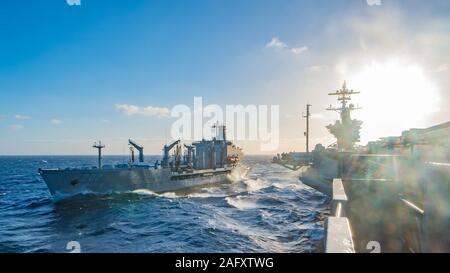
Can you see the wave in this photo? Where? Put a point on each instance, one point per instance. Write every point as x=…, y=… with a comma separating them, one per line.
x=255, y=184
x=263, y=240
x=268, y=210
x=144, y=192
x=210, y=192
x=216, y=191
x=283, y=186
x=152, y=193
x=240, y=202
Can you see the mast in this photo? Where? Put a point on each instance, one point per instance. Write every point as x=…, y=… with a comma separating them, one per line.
x=99, y=146
x=344, y=95
x=346, y=130
x=308, y=114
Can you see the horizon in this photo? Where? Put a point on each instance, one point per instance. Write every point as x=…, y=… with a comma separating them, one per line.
x=96, y=156
x=73, y=74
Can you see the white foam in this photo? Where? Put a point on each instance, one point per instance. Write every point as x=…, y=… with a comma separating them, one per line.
x=144, y=192
x=169, y=195
x=242, y=202
x=287, y=185
x=263, y=238
x=255, y=184
x=206, y=194
x=152, y=193
x=239, y=173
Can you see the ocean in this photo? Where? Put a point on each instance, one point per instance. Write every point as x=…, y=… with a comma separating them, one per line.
x=269, y=211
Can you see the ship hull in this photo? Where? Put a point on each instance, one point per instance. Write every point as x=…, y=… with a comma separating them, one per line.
x=63, y=183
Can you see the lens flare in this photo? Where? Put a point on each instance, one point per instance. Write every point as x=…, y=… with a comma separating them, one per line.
x=394, y=97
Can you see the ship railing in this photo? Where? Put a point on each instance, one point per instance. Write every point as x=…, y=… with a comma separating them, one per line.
x=414, y=229
x=338, y=234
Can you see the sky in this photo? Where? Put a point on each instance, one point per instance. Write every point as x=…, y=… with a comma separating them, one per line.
x=74, y=72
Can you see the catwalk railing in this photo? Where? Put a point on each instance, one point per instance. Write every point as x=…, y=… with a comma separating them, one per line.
x=338, y=234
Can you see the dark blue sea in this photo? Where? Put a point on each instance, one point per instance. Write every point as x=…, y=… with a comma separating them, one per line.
x=270, y=211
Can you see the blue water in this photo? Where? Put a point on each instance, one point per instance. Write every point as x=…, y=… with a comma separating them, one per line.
x=270, y=211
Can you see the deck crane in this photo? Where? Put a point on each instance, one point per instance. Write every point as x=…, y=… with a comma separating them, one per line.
x=138, y=147
x=167, y=148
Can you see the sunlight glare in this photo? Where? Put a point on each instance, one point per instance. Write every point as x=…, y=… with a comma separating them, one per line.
x=394, y=97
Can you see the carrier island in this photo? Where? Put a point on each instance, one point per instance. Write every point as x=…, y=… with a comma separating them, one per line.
x=391, y=195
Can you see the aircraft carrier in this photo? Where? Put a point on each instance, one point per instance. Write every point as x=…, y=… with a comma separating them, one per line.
x=391, y=195
x=203, y=162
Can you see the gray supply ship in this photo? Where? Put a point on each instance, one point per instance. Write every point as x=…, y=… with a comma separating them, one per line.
x=201, y=163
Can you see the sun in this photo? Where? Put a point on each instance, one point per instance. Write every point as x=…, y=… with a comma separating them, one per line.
x=394, y=97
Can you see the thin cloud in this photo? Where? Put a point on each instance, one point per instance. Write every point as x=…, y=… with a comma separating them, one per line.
x=149, y=111
x=277, y=44
x=22, y=117
x=16, y=127
x=299, y=50
x=55, y=121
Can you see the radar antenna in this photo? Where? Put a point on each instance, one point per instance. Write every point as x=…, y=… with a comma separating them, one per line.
x=344, y=95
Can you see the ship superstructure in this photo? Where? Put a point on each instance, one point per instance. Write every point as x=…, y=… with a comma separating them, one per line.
x=346, y=130
x=388, y=196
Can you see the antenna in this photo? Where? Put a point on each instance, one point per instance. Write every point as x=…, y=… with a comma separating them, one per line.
x=215, y=128
x=344, y=95
x=308, y=114
x=99, y=146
